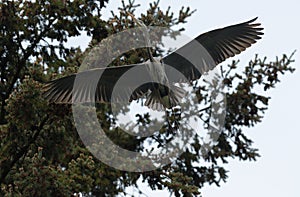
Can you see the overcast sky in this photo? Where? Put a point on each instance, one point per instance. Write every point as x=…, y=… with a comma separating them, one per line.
x=276, y=173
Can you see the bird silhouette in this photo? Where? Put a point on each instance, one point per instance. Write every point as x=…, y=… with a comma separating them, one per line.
x=216, y=46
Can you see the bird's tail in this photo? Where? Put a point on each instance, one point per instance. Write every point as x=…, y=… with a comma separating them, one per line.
x=156, y=101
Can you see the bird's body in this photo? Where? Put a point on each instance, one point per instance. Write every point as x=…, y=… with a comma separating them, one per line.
x=207, y=50
x=159, y=98
x=164, y=94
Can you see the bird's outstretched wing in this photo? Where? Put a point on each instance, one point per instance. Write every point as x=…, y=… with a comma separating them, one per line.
x=198, y=56
x=98, y=85
x=209, y=49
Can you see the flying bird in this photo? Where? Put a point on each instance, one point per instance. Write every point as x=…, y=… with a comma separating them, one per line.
x=217, y=46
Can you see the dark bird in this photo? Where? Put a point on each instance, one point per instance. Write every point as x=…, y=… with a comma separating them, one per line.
x=217, y=45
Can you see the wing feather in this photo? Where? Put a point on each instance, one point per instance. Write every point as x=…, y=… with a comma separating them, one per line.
x=220, y=44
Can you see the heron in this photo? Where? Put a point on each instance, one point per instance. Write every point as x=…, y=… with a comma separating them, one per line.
x=220, y=44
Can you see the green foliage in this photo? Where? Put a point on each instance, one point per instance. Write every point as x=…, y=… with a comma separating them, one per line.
x=41, y=153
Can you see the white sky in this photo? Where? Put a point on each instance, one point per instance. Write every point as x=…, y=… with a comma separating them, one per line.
x=277, y=172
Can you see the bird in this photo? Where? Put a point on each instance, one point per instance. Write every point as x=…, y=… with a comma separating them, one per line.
x=162, y=94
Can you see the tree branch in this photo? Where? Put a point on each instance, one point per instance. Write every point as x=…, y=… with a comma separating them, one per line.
x=23, y=151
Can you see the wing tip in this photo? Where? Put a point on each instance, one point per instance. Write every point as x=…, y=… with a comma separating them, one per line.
x=252, y=20
x=256, y=26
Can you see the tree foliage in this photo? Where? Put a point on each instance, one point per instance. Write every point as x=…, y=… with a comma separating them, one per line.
x=41, y=153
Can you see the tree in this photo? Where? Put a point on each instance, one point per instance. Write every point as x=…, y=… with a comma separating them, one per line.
x=40, y=150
